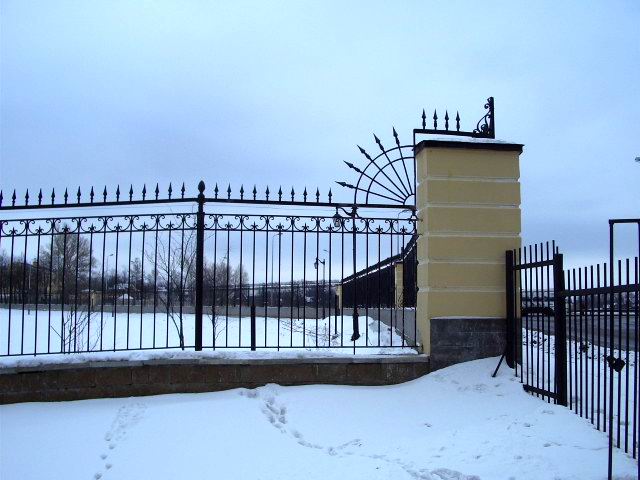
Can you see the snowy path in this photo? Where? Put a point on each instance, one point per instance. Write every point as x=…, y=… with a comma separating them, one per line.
x=457, y=423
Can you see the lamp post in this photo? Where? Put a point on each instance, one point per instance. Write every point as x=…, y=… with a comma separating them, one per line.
x=315, y=265
x=113, y=312
x=278, y=234
x=337, y=222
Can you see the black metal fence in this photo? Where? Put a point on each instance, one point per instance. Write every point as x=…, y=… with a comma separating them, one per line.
x=573, y=337
x=189, y=278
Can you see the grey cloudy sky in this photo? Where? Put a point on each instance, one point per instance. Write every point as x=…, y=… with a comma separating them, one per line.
x=107, y=92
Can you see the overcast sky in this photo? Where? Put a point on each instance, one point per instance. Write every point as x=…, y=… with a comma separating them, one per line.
x=108, y=92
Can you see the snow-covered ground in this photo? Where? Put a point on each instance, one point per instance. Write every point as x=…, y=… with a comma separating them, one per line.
x=101, y=333
x=588, y=377
x=457, y=423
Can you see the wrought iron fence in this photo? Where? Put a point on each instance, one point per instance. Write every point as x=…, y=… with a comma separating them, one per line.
x=188, y=278
x=573, y=337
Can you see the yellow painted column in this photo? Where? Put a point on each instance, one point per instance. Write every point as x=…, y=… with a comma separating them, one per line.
x=468, y=201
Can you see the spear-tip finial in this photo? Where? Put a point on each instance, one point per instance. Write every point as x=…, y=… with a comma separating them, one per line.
x=39, y=197
x=424, y=120
x=446, y=120
x=118, y=193
x=144, y=191
x=330, y=195
x=280, y=193
x=435, y=120
x=241, y=191
x=157, y=191
x=254, y=192
x=201, y=187
x=364, y=152
x=267, y=192
x=229, y=191
x=317, y=195
x=170, y=190
x=457, y=121
x=13, y=198
x=26, y=198
x=182, y=191
x=78, y=195
x=91, y=194
x=131, y=192
x=104, y=194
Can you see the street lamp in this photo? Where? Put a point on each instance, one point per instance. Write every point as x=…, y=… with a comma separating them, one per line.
x=278, y=234
x=337, y=222
x=315, y=265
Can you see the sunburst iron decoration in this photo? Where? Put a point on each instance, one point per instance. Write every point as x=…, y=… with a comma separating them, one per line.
x=389, y=177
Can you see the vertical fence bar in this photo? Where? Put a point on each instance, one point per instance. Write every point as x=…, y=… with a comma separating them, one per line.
x=253, y=326
x=199, y=265
x=560, y=328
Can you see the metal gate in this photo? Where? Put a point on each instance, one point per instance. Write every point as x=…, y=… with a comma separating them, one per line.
x=573, y=336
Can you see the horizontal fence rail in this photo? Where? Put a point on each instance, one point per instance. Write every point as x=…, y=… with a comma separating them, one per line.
x=197, y=279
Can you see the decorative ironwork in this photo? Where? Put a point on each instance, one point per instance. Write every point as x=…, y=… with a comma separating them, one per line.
x=390, y=176
x=485, y=128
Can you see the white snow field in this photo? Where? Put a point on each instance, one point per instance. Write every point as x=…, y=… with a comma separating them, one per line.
x=148, y=331
x=456, y=423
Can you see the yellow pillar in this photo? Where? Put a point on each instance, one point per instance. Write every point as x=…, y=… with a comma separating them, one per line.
x=468, y=201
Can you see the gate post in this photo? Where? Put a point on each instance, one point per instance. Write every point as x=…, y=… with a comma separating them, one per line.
x=468, y=204
x=560, y=330
x=199, y=265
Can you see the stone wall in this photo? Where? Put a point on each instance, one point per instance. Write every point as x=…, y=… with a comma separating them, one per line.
x=125, y=379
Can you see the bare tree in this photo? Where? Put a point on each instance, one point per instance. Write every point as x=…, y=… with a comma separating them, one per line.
x=75, y=333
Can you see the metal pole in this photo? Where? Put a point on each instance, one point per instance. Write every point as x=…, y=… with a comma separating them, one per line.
x=611, y=345
x=356, y=326
x=560, y=330
x=199, y=265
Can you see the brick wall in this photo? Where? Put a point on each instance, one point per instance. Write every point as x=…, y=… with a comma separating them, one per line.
x=125, y=379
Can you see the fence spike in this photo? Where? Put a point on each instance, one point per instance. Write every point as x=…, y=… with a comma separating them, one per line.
x=304, y=194
x=215, y=191
x=363, y=151
x=345, y=184
x=352, y=166
x=39, y=197
x=104, y=194
x=317, y=195
x=254, y=191
x=424, y=120
x=131, y=192
x=170, y=190
x=457, y=121
x=13, y=198
x=267, y=192
x=0, y=198
x=157, y=191
x=435, y=120
x=78, y=195
x=53, y=196
x=293, y=193
x=378, y=142
x=395, y=135
x=229, y=191
x=241, y=192
x=144, y=191
x=330, y=195
x=182, y=191
x=446, y=120
x=201, y=187
x=280, y=193
x=66, y=196
x=118, y=193
x=26, y=198
x=91, y=194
